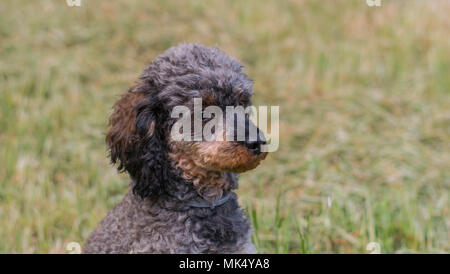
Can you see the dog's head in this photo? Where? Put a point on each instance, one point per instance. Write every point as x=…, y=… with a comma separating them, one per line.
x=141, y=136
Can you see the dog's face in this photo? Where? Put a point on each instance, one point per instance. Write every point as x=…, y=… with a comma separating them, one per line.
x=140, y=134
x=221, y=151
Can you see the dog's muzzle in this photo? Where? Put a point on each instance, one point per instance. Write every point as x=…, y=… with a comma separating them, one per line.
x=250, y=142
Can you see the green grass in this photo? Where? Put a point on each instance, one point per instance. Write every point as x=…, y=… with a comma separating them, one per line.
x=364, y=96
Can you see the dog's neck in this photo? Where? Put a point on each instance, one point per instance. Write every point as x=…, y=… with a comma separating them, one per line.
x=210, y=185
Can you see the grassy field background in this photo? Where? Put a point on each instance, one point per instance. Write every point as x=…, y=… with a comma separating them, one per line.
x=364, y=96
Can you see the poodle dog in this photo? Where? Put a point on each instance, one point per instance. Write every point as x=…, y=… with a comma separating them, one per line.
x=181, y=198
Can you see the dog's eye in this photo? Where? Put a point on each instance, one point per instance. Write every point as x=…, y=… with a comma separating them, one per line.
x=244, y=101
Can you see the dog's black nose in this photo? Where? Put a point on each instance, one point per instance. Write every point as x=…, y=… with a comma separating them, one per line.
x=249, y=142
x=254, y=146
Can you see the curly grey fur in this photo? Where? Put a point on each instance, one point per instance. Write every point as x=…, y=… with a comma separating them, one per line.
x=138, y=225
x=154, y=217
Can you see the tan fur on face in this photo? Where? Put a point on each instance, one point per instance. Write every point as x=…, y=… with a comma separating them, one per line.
x=206, y=163
x=226, y=156
x=209, y=99
x=210, y=184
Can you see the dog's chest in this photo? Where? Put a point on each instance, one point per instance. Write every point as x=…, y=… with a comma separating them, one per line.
x=193, y=231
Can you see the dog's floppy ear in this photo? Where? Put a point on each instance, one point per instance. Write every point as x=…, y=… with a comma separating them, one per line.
x=120, y=136
x=151, y=170
x=136, y=140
